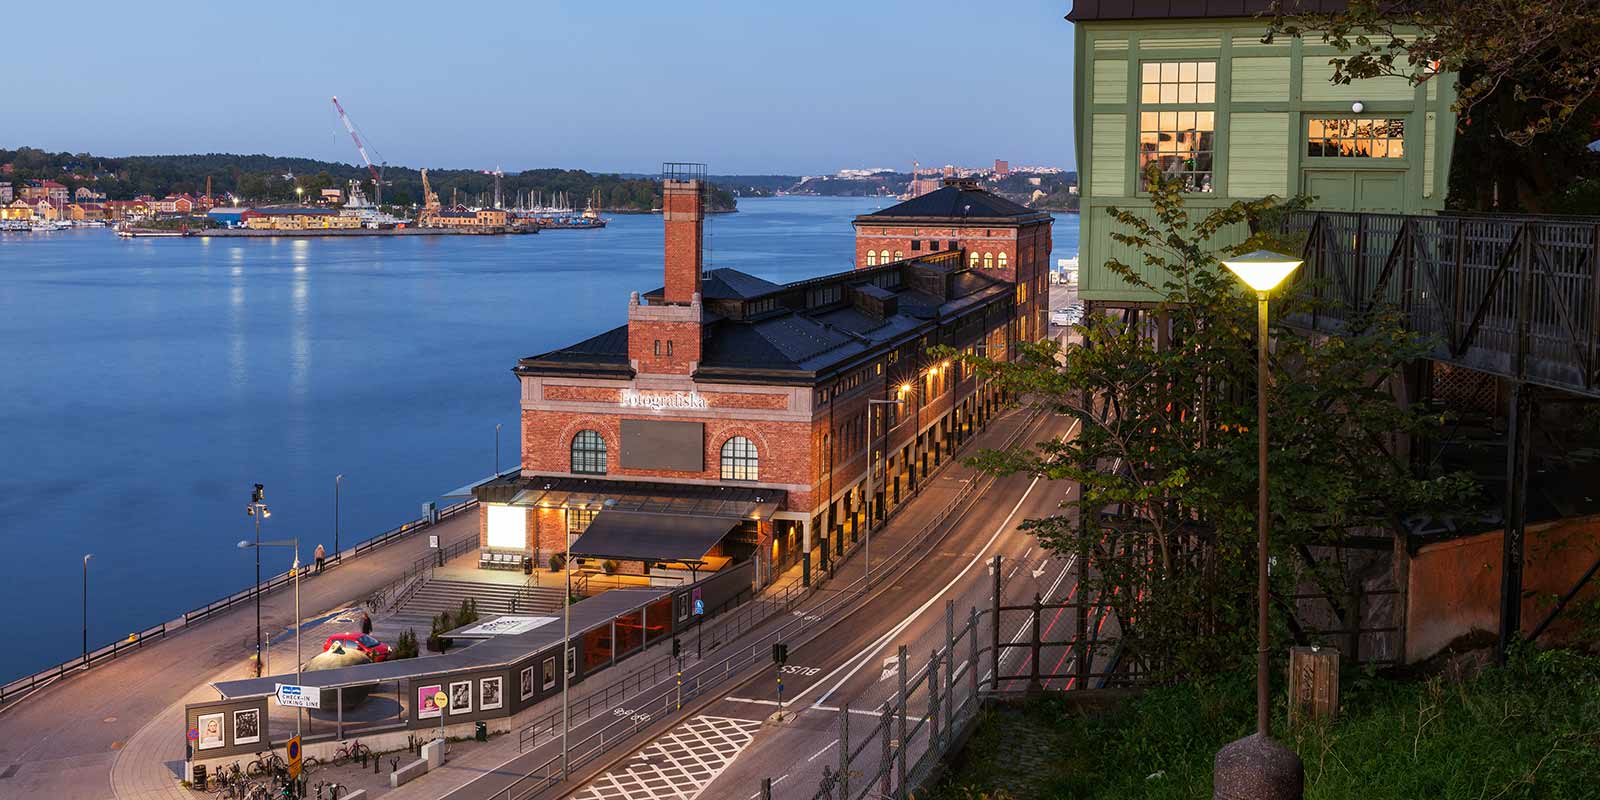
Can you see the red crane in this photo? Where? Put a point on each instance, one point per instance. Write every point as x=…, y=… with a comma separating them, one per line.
x=377, y=177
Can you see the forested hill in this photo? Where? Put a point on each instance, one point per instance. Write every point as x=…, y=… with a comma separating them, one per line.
x=270, y=179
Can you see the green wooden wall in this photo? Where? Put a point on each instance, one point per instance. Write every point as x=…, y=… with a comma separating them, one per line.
x=1265, y=94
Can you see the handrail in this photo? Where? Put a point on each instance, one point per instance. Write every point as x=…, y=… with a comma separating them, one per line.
x=44, y=677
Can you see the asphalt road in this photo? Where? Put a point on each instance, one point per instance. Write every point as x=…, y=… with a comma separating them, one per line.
x=731, y=744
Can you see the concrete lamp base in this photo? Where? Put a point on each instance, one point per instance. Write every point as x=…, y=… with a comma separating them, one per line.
x=1257, y=768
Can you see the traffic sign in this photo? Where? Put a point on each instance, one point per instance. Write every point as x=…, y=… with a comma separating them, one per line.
x=699, y=603
x=194, y=734
x=292, y=696
x=293, y=751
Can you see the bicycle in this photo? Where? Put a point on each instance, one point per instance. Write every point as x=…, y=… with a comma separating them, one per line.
x=266, y=764
x=354, y=751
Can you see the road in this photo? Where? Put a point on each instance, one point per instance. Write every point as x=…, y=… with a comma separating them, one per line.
x=728, y=746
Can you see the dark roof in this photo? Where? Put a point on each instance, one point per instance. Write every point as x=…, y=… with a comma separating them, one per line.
x=651, y=537
x=1096, y=10
x=957, y=202
x=606, y=352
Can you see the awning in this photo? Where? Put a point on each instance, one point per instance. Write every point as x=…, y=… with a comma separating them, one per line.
x=651, y=537
x=466, y=491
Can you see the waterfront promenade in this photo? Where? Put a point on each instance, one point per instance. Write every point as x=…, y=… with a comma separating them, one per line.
x=114, y=731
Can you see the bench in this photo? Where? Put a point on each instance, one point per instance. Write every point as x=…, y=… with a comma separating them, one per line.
x=491, y=559
x=407, y=773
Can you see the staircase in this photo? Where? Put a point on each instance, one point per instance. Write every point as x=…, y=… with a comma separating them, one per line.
x=445, y=594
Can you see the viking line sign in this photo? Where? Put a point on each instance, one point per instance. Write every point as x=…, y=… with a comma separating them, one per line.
x=659, y=401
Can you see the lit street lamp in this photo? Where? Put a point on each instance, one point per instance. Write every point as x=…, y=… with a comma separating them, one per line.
x=872, y=491
x=1257, y=767
x=294, y=543
x=259, y=511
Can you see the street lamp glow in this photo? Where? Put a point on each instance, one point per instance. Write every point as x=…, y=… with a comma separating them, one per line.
x=1262, y=270
x=905, y=387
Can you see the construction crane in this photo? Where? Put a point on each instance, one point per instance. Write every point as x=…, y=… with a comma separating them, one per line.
x=430, y=202
x=377, y=176
x=498, y=174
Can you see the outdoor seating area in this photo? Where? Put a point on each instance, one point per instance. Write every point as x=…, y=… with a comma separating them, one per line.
x=502, y=559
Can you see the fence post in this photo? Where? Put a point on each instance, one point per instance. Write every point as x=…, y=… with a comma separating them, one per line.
x=934, y=742
x=1033, y=672
x=1352, y=604
x=887, y=765
x=905, y=700
x=994, y=681
x=949, y=666
x=844, y=750
x=972, y=657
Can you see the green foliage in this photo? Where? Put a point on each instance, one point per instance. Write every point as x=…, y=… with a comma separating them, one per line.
x=1166, y=432
x=437, y=642
x=610, y=566
x=1524, y=732
x=468, y=613
x=406, y=645
x=558, y=562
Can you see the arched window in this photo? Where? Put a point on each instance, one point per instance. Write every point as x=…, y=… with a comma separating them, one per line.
x=898, y=255
x=883, y=256
x=872, y=258
x=739, y=460
x=988, y=260
x=972, y=260
x=588, y=453
x=1000, y=260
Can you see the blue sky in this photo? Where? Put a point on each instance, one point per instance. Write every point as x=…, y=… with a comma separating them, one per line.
x=750, y=86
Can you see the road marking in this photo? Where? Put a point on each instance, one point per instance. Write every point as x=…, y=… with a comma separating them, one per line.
x=1040, y=571
x=891, y=668
x=826, y=748
x=679, y=764
x=829, y=709
x=860, y=659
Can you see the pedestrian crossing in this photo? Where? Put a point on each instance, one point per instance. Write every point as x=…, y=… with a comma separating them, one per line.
x=679, y=764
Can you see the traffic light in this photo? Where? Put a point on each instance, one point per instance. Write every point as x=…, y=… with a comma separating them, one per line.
x=780, y=653
x=677, y=649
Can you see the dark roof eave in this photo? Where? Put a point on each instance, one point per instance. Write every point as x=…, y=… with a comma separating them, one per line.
x=998, y=222
x=595, y=369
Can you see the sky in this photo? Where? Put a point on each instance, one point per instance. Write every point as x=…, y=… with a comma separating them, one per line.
x=752, y=86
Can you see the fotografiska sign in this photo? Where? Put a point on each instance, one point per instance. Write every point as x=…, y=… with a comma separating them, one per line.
x=659, y=401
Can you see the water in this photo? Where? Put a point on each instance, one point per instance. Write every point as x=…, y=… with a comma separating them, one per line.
x=147, y=383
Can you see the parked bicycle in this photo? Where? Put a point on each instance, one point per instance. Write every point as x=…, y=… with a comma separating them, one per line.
x=266, y=763
x=353, y=751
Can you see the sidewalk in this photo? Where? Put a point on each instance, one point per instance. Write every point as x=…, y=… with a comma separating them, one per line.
x=114, y=730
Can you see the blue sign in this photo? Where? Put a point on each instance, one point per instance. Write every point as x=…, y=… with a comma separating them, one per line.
x=699, y=603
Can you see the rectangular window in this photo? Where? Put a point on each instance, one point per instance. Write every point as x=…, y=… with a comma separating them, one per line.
x=658, y=347
x=1355, y=138
x=1181, y=142
x=916, y=245
x=669, y=348
x=578, y=520
x=1178, y=82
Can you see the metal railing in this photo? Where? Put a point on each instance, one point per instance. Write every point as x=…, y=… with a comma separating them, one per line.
x=29, y=683
x=667, y=697
x=1515, y=296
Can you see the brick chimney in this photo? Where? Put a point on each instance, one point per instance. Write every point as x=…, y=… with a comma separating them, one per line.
x=684, y=216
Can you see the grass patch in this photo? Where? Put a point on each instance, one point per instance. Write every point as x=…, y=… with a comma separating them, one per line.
x=1529, y=731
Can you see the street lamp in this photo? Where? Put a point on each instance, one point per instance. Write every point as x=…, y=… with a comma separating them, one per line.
x=259, y=511
x=872, y=491
x=337, y=479
x=86, y=608
x=497, y=449
x=1256, y=766
x=294, y=543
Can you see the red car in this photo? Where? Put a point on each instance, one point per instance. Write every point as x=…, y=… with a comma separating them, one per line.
x=375, y=650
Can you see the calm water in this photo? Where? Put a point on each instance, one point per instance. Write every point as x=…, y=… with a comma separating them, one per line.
x=148, y=383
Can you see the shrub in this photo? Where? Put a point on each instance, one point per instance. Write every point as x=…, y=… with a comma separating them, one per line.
x=611, y=566
x=558, y=562
x=406, y=645
x=468, y=612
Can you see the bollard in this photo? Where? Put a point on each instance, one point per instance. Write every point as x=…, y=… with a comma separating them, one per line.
x=375, y=762
x=394, y=765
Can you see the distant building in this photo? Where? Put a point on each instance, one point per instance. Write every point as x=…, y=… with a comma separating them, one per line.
x=120, y=210
x=1000, y=239
x=297, y=219
x=332, y=196
x=228, y=216
x=1002, y=168
x=44, y=209
x=5, y=192
x=17, y=209
x=482, y=218
x=46, y=189
x=86, y=195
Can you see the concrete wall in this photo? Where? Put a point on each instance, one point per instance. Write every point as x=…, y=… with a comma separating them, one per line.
x=1454, y=587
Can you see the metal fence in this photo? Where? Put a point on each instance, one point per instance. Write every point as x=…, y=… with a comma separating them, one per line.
x=134, y=641
x=1516, y=296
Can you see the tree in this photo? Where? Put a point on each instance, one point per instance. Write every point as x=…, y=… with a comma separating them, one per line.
x=1166, y=440
x=1528, y=73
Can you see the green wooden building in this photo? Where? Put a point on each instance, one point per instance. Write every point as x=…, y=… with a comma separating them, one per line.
x=1189, y=85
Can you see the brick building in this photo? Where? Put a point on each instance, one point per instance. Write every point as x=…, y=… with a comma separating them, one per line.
x=728, y=420
x=999, y=238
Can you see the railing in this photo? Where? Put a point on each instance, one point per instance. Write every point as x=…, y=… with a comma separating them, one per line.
x=668, y=696
x=44, y=677
x=1515, y=296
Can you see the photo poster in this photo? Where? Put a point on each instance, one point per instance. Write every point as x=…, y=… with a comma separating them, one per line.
x=247, y=726
x=526, y=684
x=489, y=693
x=425, y=705
x=550, y=672
x=461, y=697
x=211, y=735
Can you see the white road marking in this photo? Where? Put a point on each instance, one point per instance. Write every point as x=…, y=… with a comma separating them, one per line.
x=825, y=748
x=891, y=668
x=679, y=764
x=829, y=709
x=860, y=659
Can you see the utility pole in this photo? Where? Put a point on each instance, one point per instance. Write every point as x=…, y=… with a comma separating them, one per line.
x=258, y=509
x=337, y=479
x=86, y=608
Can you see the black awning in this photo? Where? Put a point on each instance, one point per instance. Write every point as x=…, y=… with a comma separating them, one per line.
x=651, y=537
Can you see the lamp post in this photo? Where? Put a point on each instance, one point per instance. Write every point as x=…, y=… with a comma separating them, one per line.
x=259, y=511
x=337, y=479
x=294, y=543
x=86, y=608
x=1256, y=766
x=497, y=449
x=872, y=490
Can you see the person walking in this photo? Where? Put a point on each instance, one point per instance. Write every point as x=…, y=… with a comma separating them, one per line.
x=321, y=556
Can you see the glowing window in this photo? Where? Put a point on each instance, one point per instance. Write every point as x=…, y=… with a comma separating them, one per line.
x=589, y=453
x=739, y=459
x=1356, y=138
x=1000, y=260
